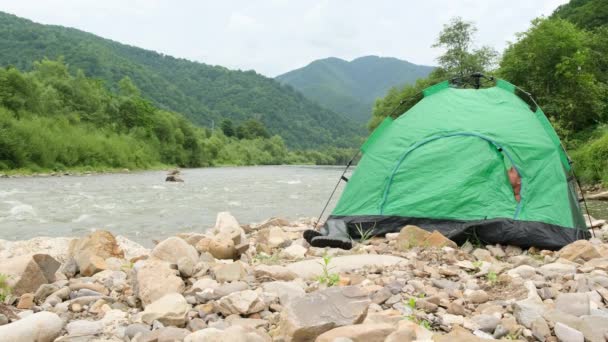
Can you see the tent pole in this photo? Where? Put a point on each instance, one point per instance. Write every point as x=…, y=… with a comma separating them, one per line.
x=342, y=177
x=578, y=183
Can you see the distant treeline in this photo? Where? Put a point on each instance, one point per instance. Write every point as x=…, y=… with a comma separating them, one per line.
x=51, y=119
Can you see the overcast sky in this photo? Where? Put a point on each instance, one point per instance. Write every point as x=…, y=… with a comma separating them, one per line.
x=275, y=36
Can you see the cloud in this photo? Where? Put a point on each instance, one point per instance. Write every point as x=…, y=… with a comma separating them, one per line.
x=275, y=36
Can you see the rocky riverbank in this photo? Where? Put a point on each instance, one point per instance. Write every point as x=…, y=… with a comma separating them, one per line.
x=241, y=283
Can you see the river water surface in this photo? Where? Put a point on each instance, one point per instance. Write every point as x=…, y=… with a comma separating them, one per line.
x=142, y=206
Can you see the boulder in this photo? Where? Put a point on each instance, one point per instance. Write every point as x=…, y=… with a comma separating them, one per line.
x=311, y=268
x=273, y=222
x=26, y=273
x=174, y=178
x=220, y=247
x=305, y=318
x=274, y=272
x=171, y=309
x=358, y=333
x=173, y=249
x=91, y=251
x=229, y=272
x=580, y=250
x=241, y=303
x=227, y=226
x=40, y=327
x=154, y=279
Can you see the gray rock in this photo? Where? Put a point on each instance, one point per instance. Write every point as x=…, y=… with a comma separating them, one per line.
x=26, y=273
x=165, y=334
x=274, y=272
x=84, y=328
x=40, y=327
x=186, y=267
x=445, y=284
x=133, y=329
x=287, y=291
x=382, y=295
x=171, y=309
x=540, y=329
x=44, y=291
x=487, y=323
x=566, y=334
x=154, y=279
x=228, y=288
x=3, y=319
x=229, y=272
x=241, y=303
x=557, y=269
x=196, y=324
x=594, y=328
x=173, y=249
x=576, y=304
x=307, y=317
x=523, y=271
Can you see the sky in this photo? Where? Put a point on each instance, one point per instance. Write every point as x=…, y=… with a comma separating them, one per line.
x=276, y=36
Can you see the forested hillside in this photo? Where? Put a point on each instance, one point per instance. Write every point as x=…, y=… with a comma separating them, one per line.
x=587, y=14
x=201, y=92
x=51, y=119
x=352, y=87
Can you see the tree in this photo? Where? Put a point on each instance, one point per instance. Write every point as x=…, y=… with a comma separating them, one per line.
x=227, y=127
x=460, y=57
x=251, y=129
x=557, y=62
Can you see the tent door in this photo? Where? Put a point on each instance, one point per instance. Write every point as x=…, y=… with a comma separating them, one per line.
x=458, y=176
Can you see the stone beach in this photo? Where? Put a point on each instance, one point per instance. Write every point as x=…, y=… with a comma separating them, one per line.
x=263, y=282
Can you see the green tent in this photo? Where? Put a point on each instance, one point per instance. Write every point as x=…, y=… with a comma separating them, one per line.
x=445, y=165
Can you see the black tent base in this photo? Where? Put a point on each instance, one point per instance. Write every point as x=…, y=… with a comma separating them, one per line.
x=504, y=231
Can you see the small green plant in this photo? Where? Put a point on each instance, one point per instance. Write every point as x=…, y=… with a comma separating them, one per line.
x=477, y=264
x=425, y=324
x=326, y=277
x=492, y=277
x=412, y=303
x=421, y=322
x=365, y=234
x=5, y=288
x=263, y=258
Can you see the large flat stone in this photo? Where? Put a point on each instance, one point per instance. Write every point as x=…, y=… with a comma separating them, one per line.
x=309, y=269
x=305, y=318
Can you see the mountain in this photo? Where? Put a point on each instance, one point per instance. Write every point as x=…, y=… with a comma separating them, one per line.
x=587, y=14
x=352, y=87
x=203, y=93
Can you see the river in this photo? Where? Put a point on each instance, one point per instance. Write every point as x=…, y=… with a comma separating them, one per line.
x=143, y=207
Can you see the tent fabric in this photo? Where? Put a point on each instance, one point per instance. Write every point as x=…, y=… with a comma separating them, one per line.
x=447, y=160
